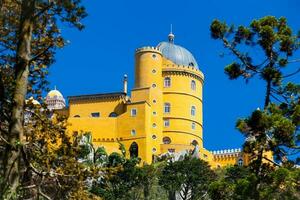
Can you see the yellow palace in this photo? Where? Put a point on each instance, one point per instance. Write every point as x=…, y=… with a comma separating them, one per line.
x=163, y=112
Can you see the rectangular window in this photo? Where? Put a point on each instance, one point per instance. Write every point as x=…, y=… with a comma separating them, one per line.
x=167, y=108
x=95, y=114
x=133, y=112
x=166, y=123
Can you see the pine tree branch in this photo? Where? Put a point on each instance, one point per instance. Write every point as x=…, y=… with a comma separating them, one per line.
x=51, y=4
x=240, y=56
x=292, y=74
x=271, y=161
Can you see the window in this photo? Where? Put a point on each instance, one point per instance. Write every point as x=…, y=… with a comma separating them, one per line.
x=154, y=113
x=191, y=64
x=167, y=82
x=166, y=123
x=95, y=114
x=154, y=137
x=133, y=112
x=194, y=142
x=171, y=150
x=77, y=116
x=167, y=140
x=154, y=56
x=153, y=125
x=153, y=85
x=193, y=85
x=240, y=163
x=154, y=101
x=153, y=71
x=133, y=132
x=193, y=110
x=134, y=150
x=167, y=108
x=153, y=150
x=193, y=125
x=113, y=114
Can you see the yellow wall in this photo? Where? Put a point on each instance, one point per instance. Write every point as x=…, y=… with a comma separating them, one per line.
x=148, y=98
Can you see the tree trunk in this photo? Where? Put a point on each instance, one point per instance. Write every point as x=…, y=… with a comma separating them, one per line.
x=172, y=195
x=12, y=158
x=268, y=93
x=147, y=191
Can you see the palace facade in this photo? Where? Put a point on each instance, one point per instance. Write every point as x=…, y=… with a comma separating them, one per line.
x=162, y=113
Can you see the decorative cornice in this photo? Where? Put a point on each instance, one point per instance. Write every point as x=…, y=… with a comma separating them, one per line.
x=182, y=118
x=183, y=93
x=143, y=88
x=182, y=71
x=184, y=132
x=114, y=95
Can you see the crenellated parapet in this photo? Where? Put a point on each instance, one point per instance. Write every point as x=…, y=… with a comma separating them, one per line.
x=227, y=153
x=191, y=71
x=148, y=49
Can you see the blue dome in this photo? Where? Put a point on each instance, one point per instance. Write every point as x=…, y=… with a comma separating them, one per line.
x=177, y=54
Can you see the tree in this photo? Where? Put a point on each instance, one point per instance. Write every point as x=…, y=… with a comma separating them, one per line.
x=276, y=127
x=29, y=36
x=189, y=177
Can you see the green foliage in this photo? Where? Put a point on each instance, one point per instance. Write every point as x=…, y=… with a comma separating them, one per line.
x=189, y=177
x=233, y=70
x=276, y=128
x=273, y=36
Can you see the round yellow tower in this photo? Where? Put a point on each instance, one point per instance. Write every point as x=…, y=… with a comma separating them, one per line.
x=148, y=82
x=182, y=98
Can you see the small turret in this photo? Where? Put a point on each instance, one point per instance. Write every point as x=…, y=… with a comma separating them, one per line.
x=125, y=82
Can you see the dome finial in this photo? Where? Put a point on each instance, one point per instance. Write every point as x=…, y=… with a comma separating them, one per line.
x=54, y=87
x=171, y=36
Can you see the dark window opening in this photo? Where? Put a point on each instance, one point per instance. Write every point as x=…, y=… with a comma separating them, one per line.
x=134, y=150
x=95, y=114
x=113, y=114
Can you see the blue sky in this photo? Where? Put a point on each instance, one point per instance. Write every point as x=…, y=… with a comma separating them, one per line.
x=97, y=57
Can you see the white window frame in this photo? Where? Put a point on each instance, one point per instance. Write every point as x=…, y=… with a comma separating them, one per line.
x=167, y=108
x=133, y=132
x=193, y=110
x=193, y=85
x=132, y=114
x=167, y=82
x=193, y=125
x=166, y=123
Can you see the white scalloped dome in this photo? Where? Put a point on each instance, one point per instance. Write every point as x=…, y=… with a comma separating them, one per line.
x=177, y=54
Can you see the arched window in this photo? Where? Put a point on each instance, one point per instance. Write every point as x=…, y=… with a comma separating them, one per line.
x=194, y=142
x=167, y=82
x=193, y=125
x=240, y=162
x=193, y=110
x=167, y=108
x=167, y=140
x=193, y=85
x=113, y=114
x=134, y=150
x=76, y=116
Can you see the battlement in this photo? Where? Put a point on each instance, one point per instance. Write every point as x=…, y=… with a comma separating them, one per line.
x=182, y=68
x=226, y=152
x=148, y=48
